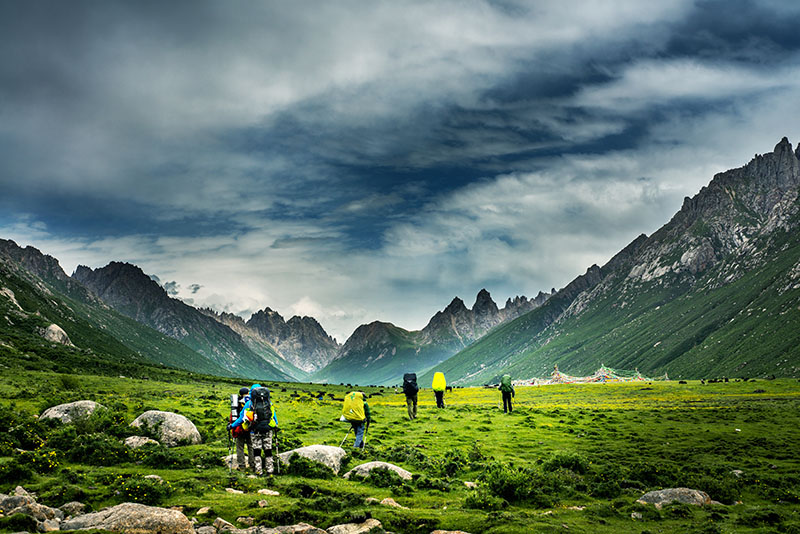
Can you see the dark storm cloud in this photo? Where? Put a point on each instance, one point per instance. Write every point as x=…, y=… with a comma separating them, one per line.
x=326, y=157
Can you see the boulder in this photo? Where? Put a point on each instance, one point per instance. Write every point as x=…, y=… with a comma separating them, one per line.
x=134, y=442
x=208, y=529
x=67, y=413
x=133, y=518
x=171, y=428
x=72, y=508
x=56, y=334
x=388, y=501
x=324, y=454
x=449, y=532
x=364, y=469
x=371, y=526
x=659, y=498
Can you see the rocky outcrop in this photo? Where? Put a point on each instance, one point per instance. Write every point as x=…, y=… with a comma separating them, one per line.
x=220, y=526
x=364, y=470
x=370, y=526
x=47, y=519
x=301, y=340
x=327, y=455
x=171, y=429
x=56, y=334
x=67, y=413
x=683, y=495
x=133, y=518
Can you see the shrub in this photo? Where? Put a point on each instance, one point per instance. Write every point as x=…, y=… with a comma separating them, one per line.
x=98, y=449
x=156, y=455
x=303, y=467
x=18, y=523
x=142, y=490
x=563, y=460
x=482, y=499
x=382, y=478
x=15, y=471
x=40, y=460
x=423, y=482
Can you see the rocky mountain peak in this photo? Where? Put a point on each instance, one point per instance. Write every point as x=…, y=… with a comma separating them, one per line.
x=456, y=306
x=32, y=259
x=484, y=305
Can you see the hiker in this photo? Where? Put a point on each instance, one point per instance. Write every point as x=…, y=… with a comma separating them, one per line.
x=439, y=385
x=410, y=388
x=260, y=418
x=507, y=389
x=355, y=410
x=242, y=436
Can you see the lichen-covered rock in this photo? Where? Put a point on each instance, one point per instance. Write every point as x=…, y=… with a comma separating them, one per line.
x=370, y=526
x=72, y=508
x=134, y=442
x=133, y=518
x=659, y=498
x=67, y=413
x=324, y=454
x=388, y=501
x=364, y=469
x=171, y=428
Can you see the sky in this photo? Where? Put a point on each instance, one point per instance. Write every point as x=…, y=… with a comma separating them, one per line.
x=371, y=160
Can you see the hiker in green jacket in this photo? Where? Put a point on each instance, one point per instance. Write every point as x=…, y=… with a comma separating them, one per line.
x=507, y=389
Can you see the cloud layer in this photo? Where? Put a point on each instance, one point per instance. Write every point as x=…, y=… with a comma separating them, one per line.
x=360, y=161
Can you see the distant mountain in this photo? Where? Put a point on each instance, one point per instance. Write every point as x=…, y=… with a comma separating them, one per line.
x=714, y=292
x=36, y=294
x=300, y=340
x=379, y=352
x=127, y=289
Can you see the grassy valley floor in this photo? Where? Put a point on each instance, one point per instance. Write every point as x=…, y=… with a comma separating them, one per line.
x=571, y=458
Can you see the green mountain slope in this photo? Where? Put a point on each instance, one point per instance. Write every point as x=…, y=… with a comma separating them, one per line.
x=715, y=292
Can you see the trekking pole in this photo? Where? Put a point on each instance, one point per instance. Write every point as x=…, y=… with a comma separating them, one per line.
x=277, y=454
x=345, y=436
x=230, y=460
x=364, y=445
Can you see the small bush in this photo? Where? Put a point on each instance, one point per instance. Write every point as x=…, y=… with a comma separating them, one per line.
x=15, y=471
x=439, y=484
x=18, y=523
x=156, y=455
x=142, y=490
x=303, y=467
x=758, y=518
x=98, y=449
x=482, y=499
x=571, y=461
x=40, y=460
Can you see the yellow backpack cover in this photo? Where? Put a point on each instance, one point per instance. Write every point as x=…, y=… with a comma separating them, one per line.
x=353, y=409
x=439, y=383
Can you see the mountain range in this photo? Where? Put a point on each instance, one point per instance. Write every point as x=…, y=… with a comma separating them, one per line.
x=715, y=291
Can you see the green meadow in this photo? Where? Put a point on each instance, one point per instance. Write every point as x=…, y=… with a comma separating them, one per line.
x=571, y=458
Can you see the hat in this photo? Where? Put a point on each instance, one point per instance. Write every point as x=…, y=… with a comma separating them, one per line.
x=243, y=391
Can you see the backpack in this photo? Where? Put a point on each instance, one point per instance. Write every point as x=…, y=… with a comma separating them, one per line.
x=261, y=407
x=410, y=383
x=241, y=429
x=439, y=383
x=505, y=384
x=353, y=407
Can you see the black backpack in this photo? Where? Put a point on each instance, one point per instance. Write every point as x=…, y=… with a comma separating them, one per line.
x=410, y=383
x=262, y=409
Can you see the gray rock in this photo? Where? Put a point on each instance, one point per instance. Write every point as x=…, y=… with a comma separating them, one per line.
x=370, y=526
x=364, y=470
x=684, y=495
x=324, y=454
x=388, y=501
x=172, y=429
x=449, y=532
x=73, y=508
x=205, y=530
x=221, y=525
x=134, y=442
x=67, y=413
x=133, y=518
x=56, y=334
x=27, y=505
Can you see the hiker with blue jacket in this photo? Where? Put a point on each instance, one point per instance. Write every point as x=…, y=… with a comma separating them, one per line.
x=410, y=388
x=507, y=389
x=261, y=419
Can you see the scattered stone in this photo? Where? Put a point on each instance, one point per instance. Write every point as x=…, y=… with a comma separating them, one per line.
x=205, y=530
x=364, y=469
x=134, y=442
x=300, y=528
x=172, y=428
x=221, y=525
x=179, y=508
x=659, y=498
x=72, y=508
x=370, y=526
x=235, y=491
x=19, y=491
x=265, y=491
x=203, y=511
x=67, y=413
x=249, y=521
x=388, y=501
x=449, y=532
x=160, y=481
x=324, y=454
x=371, y=500
x=262, y=503
x=470, y=485
x=133, y=518
x=737, y=473
x=578, y=508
